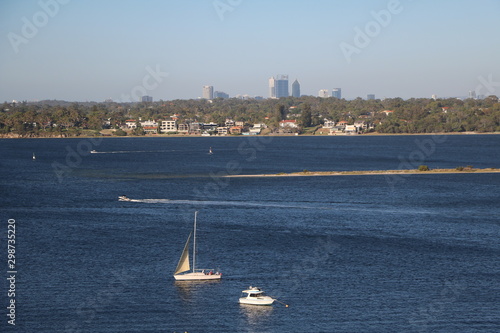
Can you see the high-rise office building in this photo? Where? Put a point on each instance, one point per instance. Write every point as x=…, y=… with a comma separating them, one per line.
x=472, y=94
x=278, y=86
x=208, y=92
x=370, y=96
x=296, y=88
x=337, y=93
x=147, y=99
x=323, y=93
x=220, y=94
x=272, y=93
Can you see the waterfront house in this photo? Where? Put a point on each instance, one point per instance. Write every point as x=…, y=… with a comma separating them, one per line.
x=149, y=123
x=288, y=123
x=131, y=124
x=210, y=126
x=222, y=130
x=168, y=126
x=236, y=129
x=150, y=129
x=328, y=123
x=183, y=128
x=350, y=129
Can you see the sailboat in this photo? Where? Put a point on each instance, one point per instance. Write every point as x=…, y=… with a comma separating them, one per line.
x=210, y=152
x=184, y=266
x=34, y=157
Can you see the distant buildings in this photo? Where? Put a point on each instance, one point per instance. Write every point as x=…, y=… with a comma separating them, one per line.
x=278, y=86
x=168, y=126
x=208, y=92
x=288, y=123
x=295, y=88
x=472, y=94
x=337, y=93
x=220, y=94
x=323, y=93
x=147, y=99
x=370, y=97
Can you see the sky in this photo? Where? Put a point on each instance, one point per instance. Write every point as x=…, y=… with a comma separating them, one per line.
x=94, y=50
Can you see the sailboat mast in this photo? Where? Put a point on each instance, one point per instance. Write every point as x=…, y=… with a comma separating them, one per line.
x=194, y=242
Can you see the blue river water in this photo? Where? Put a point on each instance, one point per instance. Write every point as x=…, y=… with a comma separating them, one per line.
x=380, y=253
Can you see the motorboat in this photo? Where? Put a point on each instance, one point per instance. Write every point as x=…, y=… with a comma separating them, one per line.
x=184, y=265
x=93, y=151
x=124, y=198
x=256, y=296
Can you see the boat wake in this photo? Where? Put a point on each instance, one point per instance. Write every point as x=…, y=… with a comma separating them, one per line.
x=225, y=203
x=130, y=151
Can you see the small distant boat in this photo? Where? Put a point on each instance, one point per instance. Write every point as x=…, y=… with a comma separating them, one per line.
x=183, y=265
x=34, y=157
x=123, y=198
x=210, y=152
x=256, y=296
x=93, y=151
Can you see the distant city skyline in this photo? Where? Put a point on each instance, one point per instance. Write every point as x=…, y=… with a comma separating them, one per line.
x=50, y=51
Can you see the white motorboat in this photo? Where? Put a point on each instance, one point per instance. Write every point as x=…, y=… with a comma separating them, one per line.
x=93, y=151
x=124, y=198
x=256, y=296
x=184, y=265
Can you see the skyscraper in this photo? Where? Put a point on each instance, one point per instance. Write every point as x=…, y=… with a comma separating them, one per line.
x=296, y=88
x=147, y=99
x=370, y=96
x=208, y=92
x=337, y=93
x=323, y=93
x=220, y=94
x=278, y=87
x=272, y=93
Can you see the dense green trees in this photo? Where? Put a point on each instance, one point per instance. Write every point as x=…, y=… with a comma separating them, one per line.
x=422, y=115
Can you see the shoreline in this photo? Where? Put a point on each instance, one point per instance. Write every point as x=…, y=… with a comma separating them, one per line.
x=370, y=173
x=244, y=136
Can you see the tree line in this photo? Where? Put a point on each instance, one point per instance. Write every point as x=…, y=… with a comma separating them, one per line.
x=59, y=118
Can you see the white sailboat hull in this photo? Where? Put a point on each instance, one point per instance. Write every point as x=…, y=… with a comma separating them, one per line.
x=263, y=300
x=197, y=276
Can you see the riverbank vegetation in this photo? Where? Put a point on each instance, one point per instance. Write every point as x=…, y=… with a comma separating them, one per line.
x=390, y=116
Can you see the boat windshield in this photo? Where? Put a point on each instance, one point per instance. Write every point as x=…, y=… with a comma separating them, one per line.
x=256, y=295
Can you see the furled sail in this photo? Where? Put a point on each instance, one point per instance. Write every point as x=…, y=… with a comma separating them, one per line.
x=183, y=264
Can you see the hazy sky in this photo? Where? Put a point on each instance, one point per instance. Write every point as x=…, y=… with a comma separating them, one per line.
x=97, y=49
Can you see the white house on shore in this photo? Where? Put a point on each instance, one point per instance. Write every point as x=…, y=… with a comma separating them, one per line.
x=168, y=126
x=288, y=123
x=131, y=124
x=222, y=130
x=328, y=123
